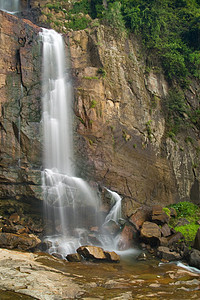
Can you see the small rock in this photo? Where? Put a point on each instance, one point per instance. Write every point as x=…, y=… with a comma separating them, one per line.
x=14, y=218
x=165, y=253
x=112, y=256
x=154, y=285
x=165, y=230
x=57, y=255
x=142, y=256
x=75, y=257
x=45, y=245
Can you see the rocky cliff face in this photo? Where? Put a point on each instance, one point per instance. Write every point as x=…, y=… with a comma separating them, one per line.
x=121, y=124
x=20, y=115
x=120, y=127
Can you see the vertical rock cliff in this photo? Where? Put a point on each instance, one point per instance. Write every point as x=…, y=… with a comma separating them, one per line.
x=120, y=109
x=20, y=114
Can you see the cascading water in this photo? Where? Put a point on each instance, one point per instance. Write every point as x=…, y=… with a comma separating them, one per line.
x=71, y=206
x=10, y=6
x=116, y=211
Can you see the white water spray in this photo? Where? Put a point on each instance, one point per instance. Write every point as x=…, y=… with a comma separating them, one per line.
x=10, y=6
x=115, y=213
x=71, y=206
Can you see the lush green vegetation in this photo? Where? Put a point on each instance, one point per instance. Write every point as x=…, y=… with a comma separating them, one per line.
x=170, y=31
x=170, y=28
x=191, y=213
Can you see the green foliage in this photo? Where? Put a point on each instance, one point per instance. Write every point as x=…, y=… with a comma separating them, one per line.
x=189, y=231
x=175, y=109
x=78, y=22
x=186, y=209
x=93, y=104
x=101, y=72
x=167, y=211
x=114, y=17
x=191, y=213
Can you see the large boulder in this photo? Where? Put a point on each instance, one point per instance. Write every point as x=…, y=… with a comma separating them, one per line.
x=165, y=230
x=128, y=234
x=194, y=258
x=175, y=238
x=141, y=215
x=22, y=242
x=158, y=215
x=150, y=230
x=97, y=253
x=165, y=253
x=197, y=240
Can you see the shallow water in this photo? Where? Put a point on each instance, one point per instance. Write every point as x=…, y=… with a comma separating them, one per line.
x=131, y=279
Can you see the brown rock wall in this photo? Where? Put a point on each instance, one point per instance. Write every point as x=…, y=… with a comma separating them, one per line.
x=20, y=112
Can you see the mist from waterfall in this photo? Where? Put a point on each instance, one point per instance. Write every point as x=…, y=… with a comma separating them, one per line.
x=71, y=206
x=10, y=6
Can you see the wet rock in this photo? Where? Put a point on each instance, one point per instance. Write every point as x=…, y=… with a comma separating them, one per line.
x=57, y=255
x=165, y=230
x=150, y=230
x=97, y=253
x=45, y=245
x=165, y=253
x=22, y=242
x=128, y=234
x=194, y=258
x=158, y=215
x=112, y=256
x=141, y=215
x=91, y=252
x=197, y=240
x=111, y=227
x=75, y=257
x=142, y=256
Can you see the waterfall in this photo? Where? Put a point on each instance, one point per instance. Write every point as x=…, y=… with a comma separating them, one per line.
x=71, y=206
x=115, y=212
x=10, y=6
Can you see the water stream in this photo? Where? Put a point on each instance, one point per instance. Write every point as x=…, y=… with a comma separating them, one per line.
x=10, y=6
x=71, y=206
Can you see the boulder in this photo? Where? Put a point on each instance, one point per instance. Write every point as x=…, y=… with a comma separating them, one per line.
x=75, y=257
x=182, y=222
x=91, y=252
x=141, y=215
x=98, y=254
x=126, y=237
x=175, y=238
x=22, y=242
x=197, y=240
x=194, y=258
x=158, y=215
x=165, y=230
x=112, y=256
x=111, y=227
x=163, y=241
x=150, y=230
x=165, y=253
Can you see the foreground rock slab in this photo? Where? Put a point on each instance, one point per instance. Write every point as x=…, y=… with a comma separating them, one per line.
x=22, y=273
